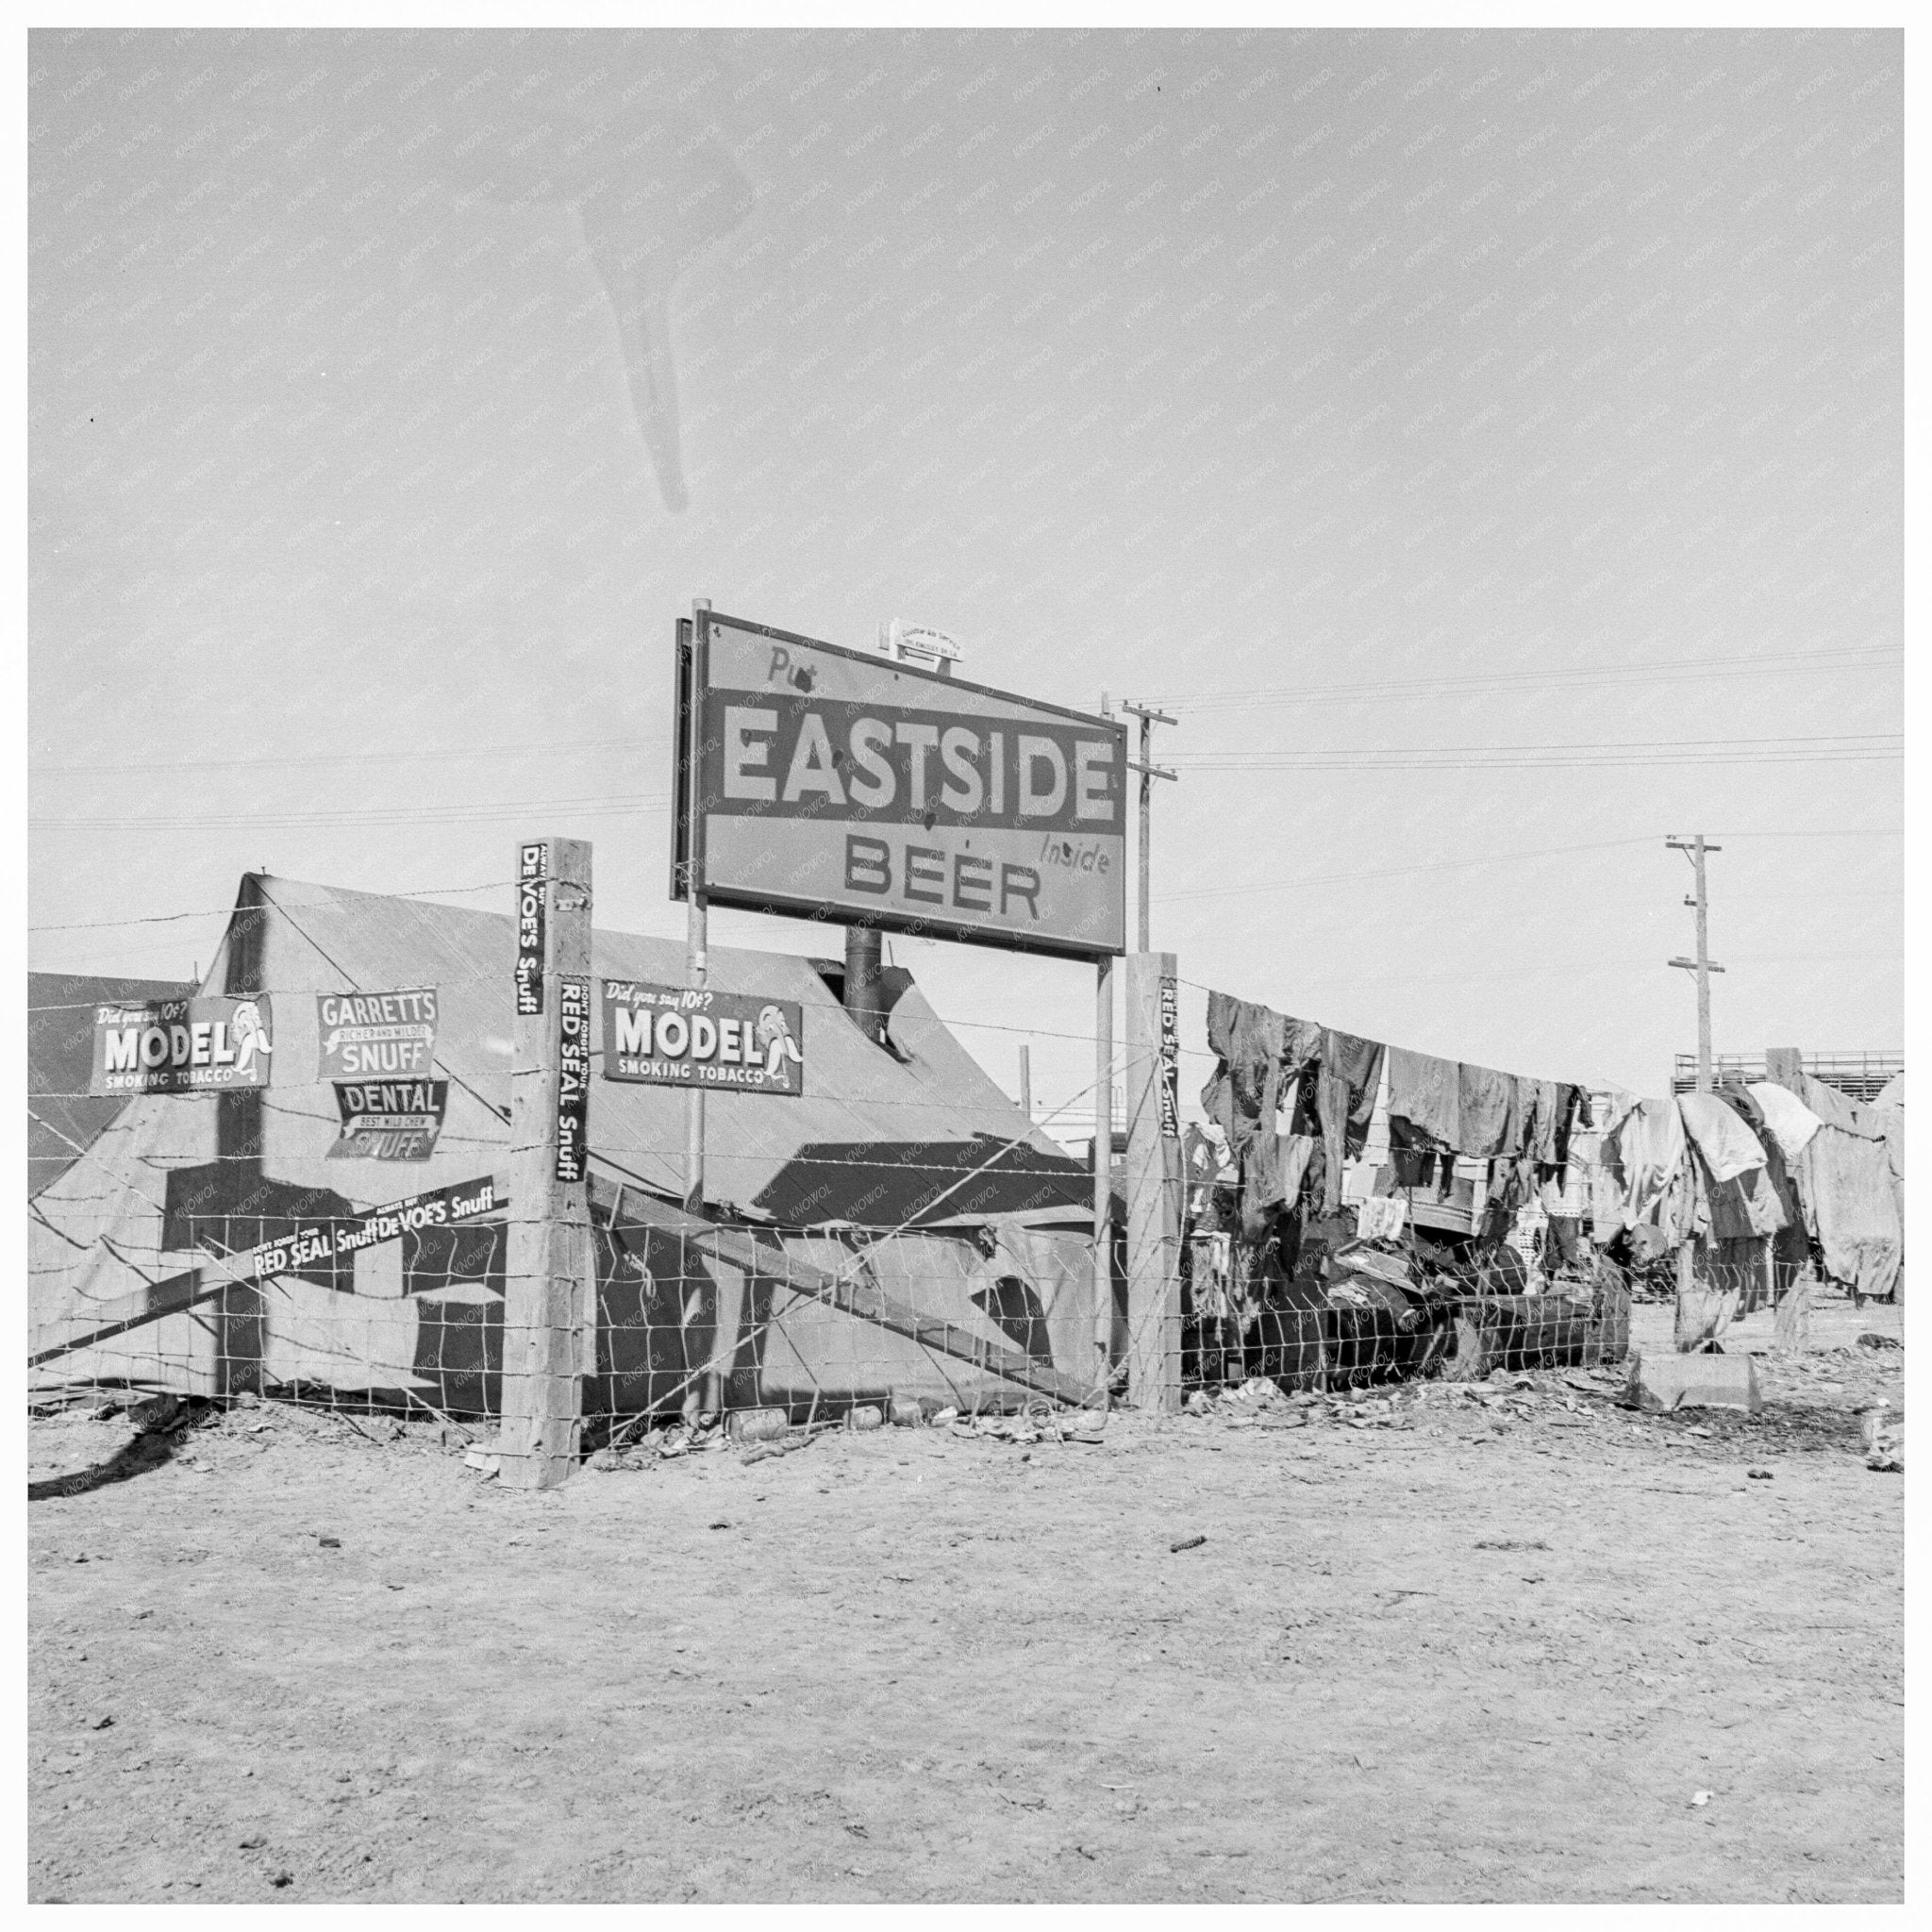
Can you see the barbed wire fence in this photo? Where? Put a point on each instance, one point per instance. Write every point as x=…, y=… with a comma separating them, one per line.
x=168, y=1259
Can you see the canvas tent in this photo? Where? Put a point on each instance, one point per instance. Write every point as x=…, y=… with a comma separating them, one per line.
x=63, y=1117
x=988, y=1218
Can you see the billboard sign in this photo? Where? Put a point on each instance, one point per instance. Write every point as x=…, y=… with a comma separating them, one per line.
x=841, y=786
x=685, y=1036
x=385, y=1035
x=182, y=1046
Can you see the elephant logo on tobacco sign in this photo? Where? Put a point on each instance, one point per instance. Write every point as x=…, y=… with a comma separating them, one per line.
x=776, y=1041
x=251, y=1036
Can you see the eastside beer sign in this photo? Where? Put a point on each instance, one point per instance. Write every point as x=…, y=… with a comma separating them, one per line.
x=843, y=786
x=684, y=1035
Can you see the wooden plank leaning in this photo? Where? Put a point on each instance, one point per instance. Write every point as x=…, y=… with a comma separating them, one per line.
x=854, y=1295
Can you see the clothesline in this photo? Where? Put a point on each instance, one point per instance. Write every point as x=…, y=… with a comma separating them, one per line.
x=1292, y=1101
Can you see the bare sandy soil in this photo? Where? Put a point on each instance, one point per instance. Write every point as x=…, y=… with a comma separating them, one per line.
x=1482, y=1646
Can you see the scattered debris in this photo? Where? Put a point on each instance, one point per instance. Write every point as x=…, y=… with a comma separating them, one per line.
x=329, y=1542
x=1659, y=1383
x=1758, y=1475
x=1509, y=1543
x=759, y=1424
x=157, y=1416
x=100, y=1724
x=797, y=1439
x=1882, y=1438
x=1187, y=1542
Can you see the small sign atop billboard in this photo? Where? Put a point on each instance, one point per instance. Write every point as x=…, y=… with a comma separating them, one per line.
x=899, y=639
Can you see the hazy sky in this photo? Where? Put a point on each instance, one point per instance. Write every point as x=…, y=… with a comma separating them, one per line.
x=1487, y=445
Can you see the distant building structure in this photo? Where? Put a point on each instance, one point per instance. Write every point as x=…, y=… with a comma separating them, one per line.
x=1860, y=1077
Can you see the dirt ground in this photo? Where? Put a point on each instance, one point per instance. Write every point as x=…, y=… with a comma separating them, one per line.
x=1473, y=1646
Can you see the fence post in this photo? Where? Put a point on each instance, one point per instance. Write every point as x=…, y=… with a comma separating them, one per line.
x=545, y=1355
x=240, y=1318
x=1153, y=1184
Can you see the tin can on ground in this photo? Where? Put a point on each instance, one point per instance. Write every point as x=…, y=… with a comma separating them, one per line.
x=758, y=1424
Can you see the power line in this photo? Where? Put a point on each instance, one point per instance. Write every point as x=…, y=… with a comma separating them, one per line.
x=1659, y=670
x=223, y=911
x=406, y=756
x=398, y=815
x=1795, y=749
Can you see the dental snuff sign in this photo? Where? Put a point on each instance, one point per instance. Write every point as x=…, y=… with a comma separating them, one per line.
x=682, y=1036
x=390, y=1120
x=182, y=1046
x=850, y=786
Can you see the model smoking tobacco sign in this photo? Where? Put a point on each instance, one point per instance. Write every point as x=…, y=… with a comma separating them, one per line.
x=681, y=1036
x=181, y=1047
x=843, y=785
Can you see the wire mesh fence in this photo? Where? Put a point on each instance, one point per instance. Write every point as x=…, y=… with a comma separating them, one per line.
x=403, y=1306
x=901, y=1240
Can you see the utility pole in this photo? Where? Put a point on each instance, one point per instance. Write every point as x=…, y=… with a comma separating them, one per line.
x=1704, y=965
x=1149, y=772
x=697, y=922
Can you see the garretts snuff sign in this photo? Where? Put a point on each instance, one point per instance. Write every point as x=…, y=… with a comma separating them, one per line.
x=683, y=1036
x=365, y=1034
x=839, y=784
x=182, y=1046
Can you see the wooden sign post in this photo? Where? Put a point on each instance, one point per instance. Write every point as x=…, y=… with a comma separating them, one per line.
x=1153, y=1184
x=549, y=1333
x=241, y=1320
